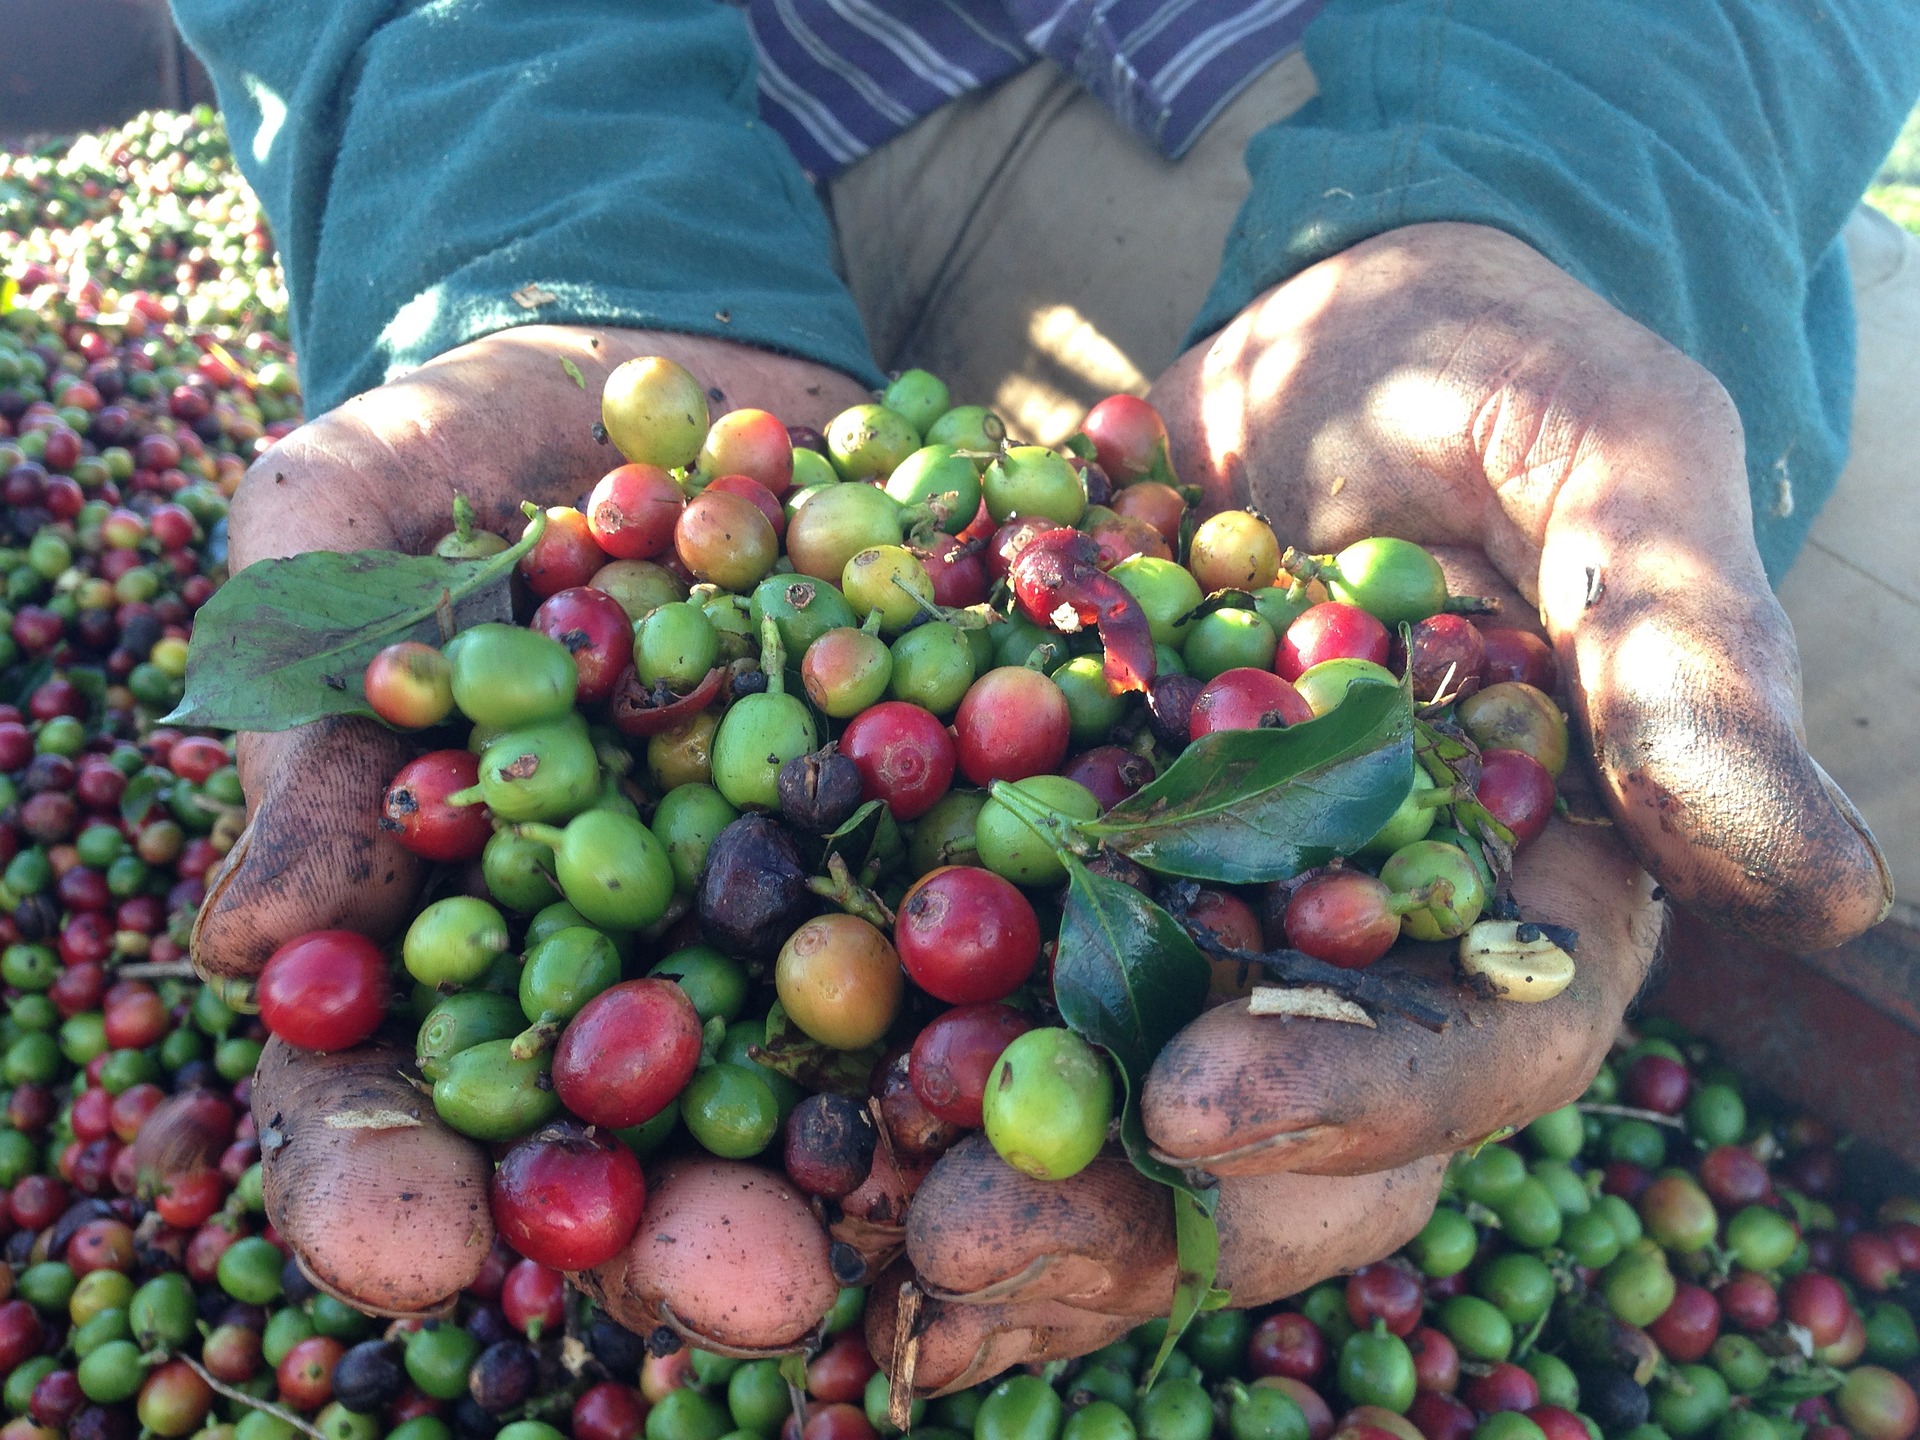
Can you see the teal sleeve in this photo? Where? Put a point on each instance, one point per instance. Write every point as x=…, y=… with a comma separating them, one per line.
x=1693, y=161
x=422, y=162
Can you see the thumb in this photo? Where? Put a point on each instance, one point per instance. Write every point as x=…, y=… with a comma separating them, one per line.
x=1687, y=683
x=312, y=856
x=1448, y=384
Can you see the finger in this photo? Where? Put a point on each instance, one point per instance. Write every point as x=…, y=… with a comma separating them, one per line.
x=872, y=1220
x=1101, y=1240
x=1448, y=383
x=1240, y=1094
x=729, y=1255
x=1676, y=639
x=959, y=1345
x=501, y=419
x=384, y=1204
x=1279, y=1234
x=312, y=856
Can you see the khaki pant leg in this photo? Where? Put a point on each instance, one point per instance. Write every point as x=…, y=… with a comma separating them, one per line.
x=1854, y=593
x=1033, y=253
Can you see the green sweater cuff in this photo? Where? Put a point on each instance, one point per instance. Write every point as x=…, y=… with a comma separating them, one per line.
x=424, y=163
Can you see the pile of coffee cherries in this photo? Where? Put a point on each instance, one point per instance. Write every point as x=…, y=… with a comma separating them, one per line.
x=121, y=438
x=724, y=863
x=157, y=205
x=1669, y=1258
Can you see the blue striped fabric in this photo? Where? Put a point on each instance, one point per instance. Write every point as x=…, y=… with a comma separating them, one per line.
x=840, y=77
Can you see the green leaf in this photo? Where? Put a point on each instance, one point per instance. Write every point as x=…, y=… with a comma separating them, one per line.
x=1815, y=1380
x=287, y=641
x=143, y=792
x=573, y=372
x=1241, y=807
x=1126, y=977
x=857, y=838
x=9, y=294
x=1197, y=1255
x=793, y=1053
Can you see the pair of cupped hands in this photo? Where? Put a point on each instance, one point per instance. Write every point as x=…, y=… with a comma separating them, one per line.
x=1444, y=383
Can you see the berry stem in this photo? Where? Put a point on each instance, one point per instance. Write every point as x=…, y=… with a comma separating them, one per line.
x=253, y=1402
x=548, y=835
x=839, y=886
x=537, y=1037
x=773, y=657
x=1402, y=902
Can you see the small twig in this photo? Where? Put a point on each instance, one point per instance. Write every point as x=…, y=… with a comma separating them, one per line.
x=220, y=1387
x=1630, y=1112
x=1293, y=967
x=156, y=970
x=906, y=1355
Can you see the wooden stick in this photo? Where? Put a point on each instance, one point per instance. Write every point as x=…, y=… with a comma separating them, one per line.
x=220, y=1387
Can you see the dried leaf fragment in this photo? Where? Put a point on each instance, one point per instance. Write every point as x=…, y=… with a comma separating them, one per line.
x=1307, y=1002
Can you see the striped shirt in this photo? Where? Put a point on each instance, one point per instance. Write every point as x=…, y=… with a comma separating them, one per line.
x=840, y=77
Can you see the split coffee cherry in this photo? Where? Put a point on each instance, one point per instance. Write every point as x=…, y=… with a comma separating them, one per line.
x=633, y=510
x=967, y=935
x=567, y=1198
x=596, y=632
x=410, y=685
x=416, y=811
x=326, y=990
x=1246, y=699
x=1330, y=631
x=1006, y=543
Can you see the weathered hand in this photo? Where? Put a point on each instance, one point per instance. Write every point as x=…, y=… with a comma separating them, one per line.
x=385, y=1205
x=1445, y=384
x=1329, y=1139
